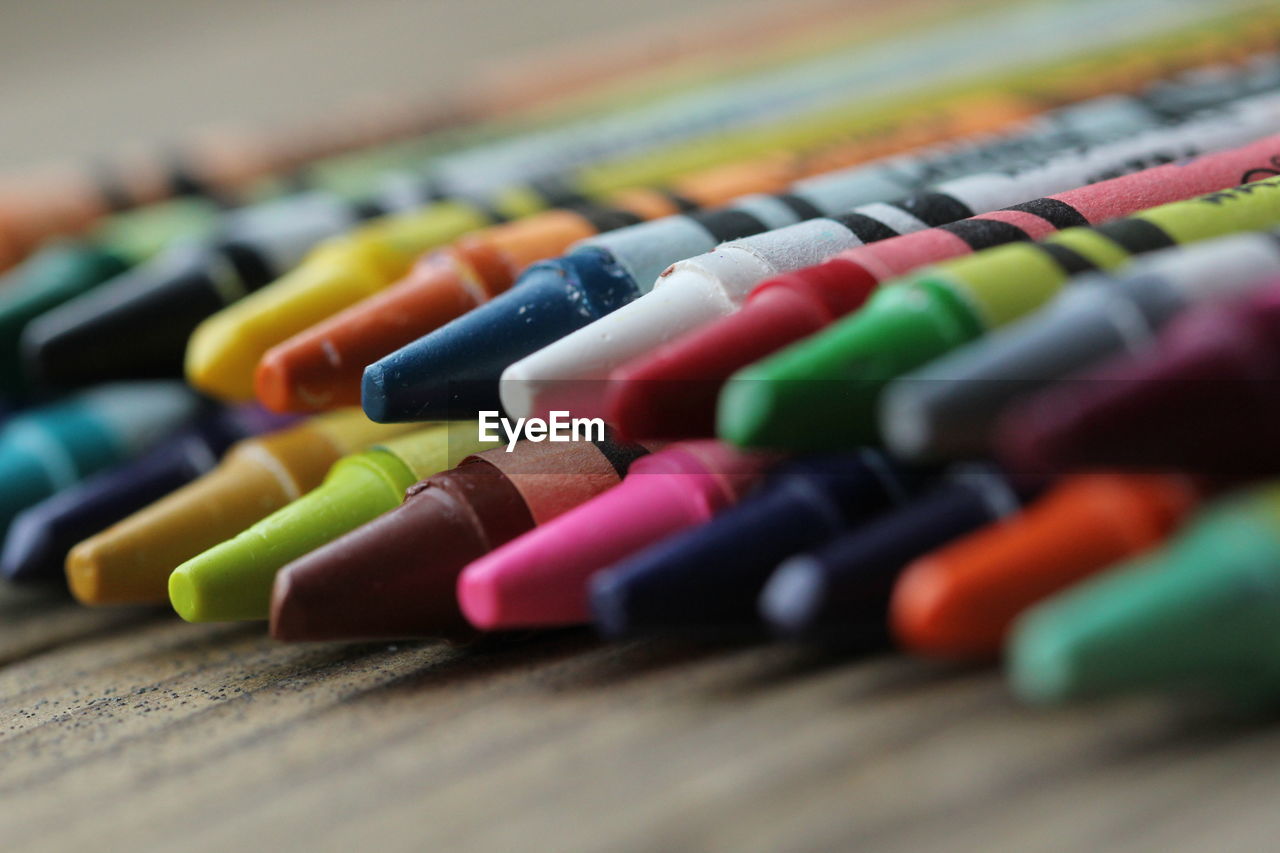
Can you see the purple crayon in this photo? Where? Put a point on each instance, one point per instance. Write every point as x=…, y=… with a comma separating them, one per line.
x=40, y=536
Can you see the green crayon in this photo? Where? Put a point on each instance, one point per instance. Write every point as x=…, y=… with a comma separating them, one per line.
x=232, y=581
x=1203, y=613
x=822, y=393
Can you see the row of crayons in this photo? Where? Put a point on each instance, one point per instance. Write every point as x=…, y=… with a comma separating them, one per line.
x=973, y=367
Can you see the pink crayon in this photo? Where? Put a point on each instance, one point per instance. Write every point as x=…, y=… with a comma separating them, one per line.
x=540, y=579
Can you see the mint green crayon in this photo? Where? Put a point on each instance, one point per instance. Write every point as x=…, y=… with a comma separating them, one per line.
x=1202, y=613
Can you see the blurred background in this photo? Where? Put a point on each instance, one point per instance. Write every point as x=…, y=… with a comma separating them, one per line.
x=79, y=77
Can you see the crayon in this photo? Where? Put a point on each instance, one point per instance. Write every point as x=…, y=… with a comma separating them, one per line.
x=570, y=374
x=62, y=271
x=226, y=348
x=540, y=579
x=321, y=367
x=130, y=561
x=545, y=302
x=232, y=580
x=688, y=373
x=395, y=576
x=455, y=367
x=949, y=408
x=344, y=271
x=958, y=602
x=41, y=536
x=785, y=400
x=1199, y=614
x=157, y=306
x=1201, y=399
x=840, y=592
x=45, y=450
x=709, y=577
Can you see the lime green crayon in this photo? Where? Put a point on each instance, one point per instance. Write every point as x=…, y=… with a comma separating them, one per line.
x=232, y=581
x=1203, y=613
x=823, y=392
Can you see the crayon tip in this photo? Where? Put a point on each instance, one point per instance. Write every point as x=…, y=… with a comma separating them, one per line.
x=793, y=596
x=482, y=597
x=189, y=592
x=290, y=612
x=373, y=394
x=221, y=358
x=749, y=410
x=30, y=549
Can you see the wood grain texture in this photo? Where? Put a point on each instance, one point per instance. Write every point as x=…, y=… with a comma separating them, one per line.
x=131, y=730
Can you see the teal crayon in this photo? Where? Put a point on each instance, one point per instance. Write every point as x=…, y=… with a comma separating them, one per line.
x=48, y=449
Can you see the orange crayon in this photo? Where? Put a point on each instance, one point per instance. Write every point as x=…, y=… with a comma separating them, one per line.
x=959, y=601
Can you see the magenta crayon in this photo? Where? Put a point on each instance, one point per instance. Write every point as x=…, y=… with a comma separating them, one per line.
x=540, y=579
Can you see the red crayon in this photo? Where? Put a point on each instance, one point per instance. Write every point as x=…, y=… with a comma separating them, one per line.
x=395, y=576
x=671, y=392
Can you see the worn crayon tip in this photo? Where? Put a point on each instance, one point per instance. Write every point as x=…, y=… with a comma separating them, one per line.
x=373, y=393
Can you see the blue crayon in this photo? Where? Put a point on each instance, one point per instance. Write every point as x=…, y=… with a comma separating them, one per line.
x=46, y=450
x=41, y=536
x=452, y=373
x=710, y=577
x=840, y=592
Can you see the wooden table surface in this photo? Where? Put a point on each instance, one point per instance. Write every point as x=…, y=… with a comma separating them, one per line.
x=130, y=730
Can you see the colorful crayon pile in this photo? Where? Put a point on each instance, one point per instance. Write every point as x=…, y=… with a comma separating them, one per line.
x=934, y=328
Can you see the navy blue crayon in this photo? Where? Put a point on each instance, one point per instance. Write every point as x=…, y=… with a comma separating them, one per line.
x=40, y=537
x=452, y=373
x=710, y=577
x=840, y=592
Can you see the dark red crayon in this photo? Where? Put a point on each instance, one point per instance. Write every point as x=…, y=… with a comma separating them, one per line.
x=396, y=576
x=671, y=393
x=1205, y=398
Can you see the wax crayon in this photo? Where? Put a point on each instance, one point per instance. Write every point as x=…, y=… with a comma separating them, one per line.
x=839, y=593
x=157, y=306
x=225, y=350
x=41, y=536
x=232, y=581
x=708, y=578
x=689, y=372
x=51, y=448
x=359, y=266
x=1198, y=615
x=61, y=271
x=455, y=366
x=570, y=374
x=839, y=374
x=959, y=601
x=540, y=579
x=130, y=561
x=322, y=366
x=395, y=576
x=949, y=408
x=1201, y=399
